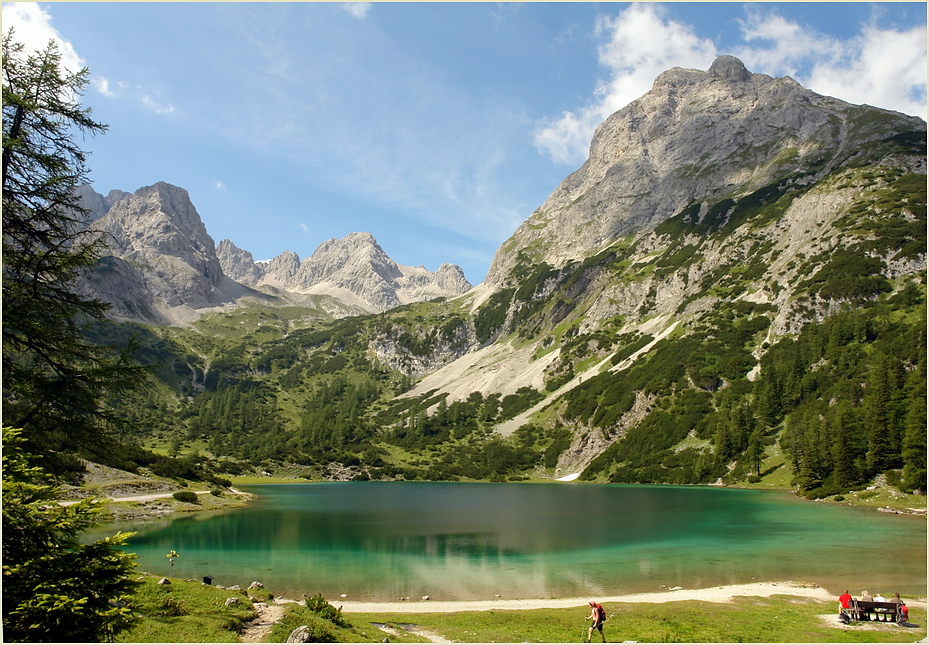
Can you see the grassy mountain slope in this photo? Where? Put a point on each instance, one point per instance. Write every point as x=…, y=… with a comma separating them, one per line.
x=787, y=322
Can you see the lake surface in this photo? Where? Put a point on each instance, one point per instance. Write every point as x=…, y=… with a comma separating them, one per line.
x=379, y=541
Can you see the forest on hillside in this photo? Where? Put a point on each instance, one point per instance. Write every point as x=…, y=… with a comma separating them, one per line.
x=843, y=399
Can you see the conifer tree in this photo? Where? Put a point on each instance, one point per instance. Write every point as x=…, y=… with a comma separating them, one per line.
x=754, y=453
x=54, y=588
x=768, y=389
x=723, y=442
x=843, y=473
x=880, y=455
x=54, y=379
x=914, y=440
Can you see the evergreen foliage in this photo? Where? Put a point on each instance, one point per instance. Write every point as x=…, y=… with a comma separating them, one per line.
x=491, y=316
x=845, y=390
x=847, y=395
x=55, y=381
x=56, y=589
x=914, y=438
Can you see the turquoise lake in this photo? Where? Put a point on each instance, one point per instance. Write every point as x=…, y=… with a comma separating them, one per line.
x=379, y=541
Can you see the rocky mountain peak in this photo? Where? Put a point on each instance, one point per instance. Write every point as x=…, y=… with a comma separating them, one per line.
x=351, y=252
x=162, y=260
x=354, y=269
x=695, y=137
x=283, y=266
x=730, y=68
x=160, y=219
x=164, y=265
x=237, y=263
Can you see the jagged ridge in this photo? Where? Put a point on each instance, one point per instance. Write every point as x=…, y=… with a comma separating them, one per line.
x=354, y=269
x=164, y=267
x=695, y=137
x=642, y=335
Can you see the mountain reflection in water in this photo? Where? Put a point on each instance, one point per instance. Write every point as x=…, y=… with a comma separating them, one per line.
x=465, y=541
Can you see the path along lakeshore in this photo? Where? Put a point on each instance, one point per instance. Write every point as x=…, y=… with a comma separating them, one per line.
x=712, y=594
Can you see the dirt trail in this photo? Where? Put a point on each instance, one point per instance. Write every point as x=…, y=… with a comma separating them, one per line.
x=256, y=630
x=711, y=594
x=268, y=614
x=137, y=498
x=433, y=637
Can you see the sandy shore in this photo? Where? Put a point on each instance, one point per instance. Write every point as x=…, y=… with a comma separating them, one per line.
x=712, y=594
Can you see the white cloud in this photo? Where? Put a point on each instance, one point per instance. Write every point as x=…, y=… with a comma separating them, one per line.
x=640, y=45
x=156, y=106
x=881, y=67
x=218, y=185
x=304, y=227
x=32, y=26
x=103, y=86
x=357, y=9
x=791, y=46
x=126, y=91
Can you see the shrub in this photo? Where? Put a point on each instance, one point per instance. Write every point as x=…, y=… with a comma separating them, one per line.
x=186, y=496
x=318, y=605
x=491, y=316
x=318, y=630
x=171, y=606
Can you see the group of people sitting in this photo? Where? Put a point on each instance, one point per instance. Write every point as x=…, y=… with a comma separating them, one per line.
x=852, y=609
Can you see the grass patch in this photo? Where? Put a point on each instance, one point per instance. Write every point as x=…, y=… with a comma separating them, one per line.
x=778, y=619
x=244, y=480
x=322, y=630
x=187, y=612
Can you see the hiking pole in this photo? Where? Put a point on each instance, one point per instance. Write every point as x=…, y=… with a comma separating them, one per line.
x=584, y=631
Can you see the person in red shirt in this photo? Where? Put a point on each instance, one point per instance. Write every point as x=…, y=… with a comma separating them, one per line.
x=904, y=613
x=845, y=600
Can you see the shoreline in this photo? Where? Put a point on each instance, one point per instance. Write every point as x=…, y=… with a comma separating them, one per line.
x=720, y=594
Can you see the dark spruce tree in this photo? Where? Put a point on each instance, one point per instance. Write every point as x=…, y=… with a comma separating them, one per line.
x=55, y=589
x=914, y=440
x=55, y=381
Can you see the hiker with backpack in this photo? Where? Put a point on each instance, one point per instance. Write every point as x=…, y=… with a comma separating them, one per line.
x=598, y=616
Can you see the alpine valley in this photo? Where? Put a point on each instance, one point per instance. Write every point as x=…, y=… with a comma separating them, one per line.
x=731, y=289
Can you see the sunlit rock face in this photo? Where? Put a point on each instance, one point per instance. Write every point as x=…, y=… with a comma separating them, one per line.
x=162, y=265
x=353, y=267
x=695, y=136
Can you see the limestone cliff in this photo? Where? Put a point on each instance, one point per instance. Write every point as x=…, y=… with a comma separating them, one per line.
x=354, y=269
x=717, y=192
x=163, y=266
x=162, y=256
x=694, y=137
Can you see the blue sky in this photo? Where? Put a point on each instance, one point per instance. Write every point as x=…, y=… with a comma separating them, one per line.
x=436, y=127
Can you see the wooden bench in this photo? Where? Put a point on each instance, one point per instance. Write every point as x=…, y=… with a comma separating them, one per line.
x=883, y=611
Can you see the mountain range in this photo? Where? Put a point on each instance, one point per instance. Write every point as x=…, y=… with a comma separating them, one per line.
x=164, y=267
x=737, y=267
